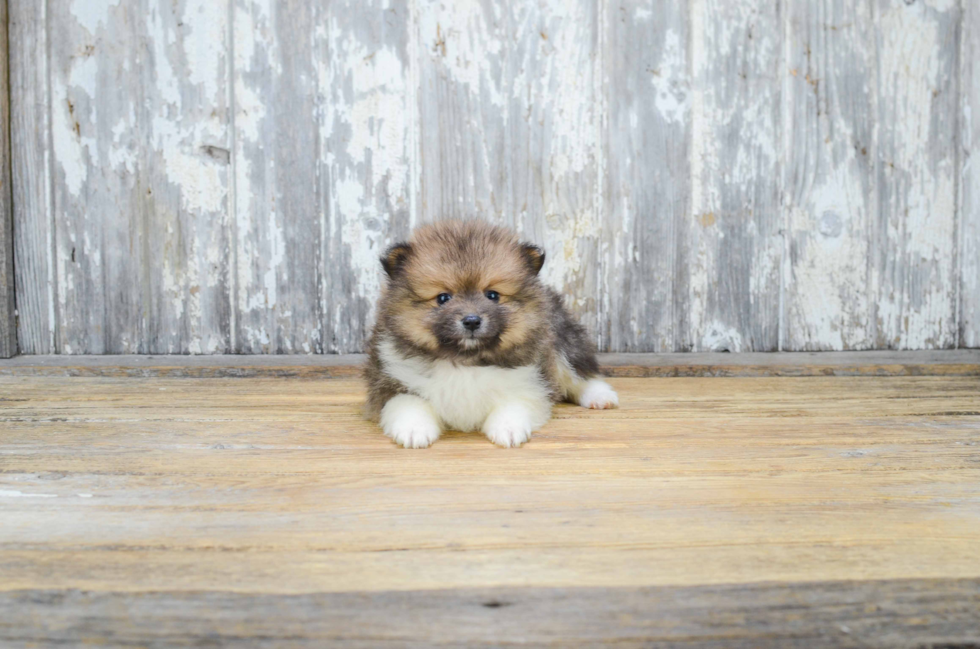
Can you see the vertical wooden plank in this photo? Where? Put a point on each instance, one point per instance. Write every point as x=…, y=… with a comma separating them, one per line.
x=969, y=198
x=829, y=178
x=278, y=230
x=367, y=161
x=462, y=110
x=8, y=321
x=553, y=137
x=646, y=196
x=132, y=156
x=30, y=176
x=734, y=239
x=96, y=62
x=509, y=127
x=185, y=185
x=915, y=234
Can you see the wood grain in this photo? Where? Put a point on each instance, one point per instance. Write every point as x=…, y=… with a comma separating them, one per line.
x=508, y=131
x=97, y=259
x=969, y=180
x=8, y=319
x=829, y=182
x=914, y=242
x=329, y=366
x=165, y=510
x=646, y=195
x=220, y=177
x=30, y=154
x=901, y=613
x=733, y=235
x=185, y=187
x=186, y=484
x=277, y=235
x=368, y=160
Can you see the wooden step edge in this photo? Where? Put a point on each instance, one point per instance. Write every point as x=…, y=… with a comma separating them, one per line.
x=958, y=362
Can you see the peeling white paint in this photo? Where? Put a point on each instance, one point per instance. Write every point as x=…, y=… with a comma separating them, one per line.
x=555, y=90
x=721, y=338
x=69, y=147
x=465, y=42
x=917, y=313
x=830, y=276
x=671, y=80
x=123, y=153
x=968, y=311
x=510, y=104
x=205, y=45
x=91, y=14
x=366, y=124
x=277, y=254
x=733, y=163
x=831, y=198
x=84, y=78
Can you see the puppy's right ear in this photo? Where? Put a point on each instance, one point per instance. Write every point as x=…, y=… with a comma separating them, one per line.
x=534, y=256
x=395, y=257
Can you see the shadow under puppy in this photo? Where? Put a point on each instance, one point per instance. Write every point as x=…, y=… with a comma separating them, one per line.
x=468, y=338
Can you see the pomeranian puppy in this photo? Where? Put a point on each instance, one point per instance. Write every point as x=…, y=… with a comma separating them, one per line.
x=468, y=338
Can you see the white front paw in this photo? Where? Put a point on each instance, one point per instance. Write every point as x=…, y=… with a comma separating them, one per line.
x=409, y=422
x=413, y=434
x=508, y=427
x=599, y=395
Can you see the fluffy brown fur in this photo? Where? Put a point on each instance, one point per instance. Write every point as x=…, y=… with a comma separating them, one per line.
x=452, y=270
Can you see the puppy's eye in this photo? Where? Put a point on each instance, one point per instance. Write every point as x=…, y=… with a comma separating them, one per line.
x=442, y=298
x=493, y=295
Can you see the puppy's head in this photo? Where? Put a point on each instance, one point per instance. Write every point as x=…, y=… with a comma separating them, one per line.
x=464, y=289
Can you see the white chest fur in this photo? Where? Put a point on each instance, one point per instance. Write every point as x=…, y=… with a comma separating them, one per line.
x=463, y=397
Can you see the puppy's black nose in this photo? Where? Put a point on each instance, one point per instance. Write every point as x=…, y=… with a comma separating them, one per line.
x=472, y=322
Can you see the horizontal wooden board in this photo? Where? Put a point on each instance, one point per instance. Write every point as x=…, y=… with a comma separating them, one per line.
x=900, y=613
x=962, y=362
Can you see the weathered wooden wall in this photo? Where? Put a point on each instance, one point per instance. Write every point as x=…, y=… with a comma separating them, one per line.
x=204, y=176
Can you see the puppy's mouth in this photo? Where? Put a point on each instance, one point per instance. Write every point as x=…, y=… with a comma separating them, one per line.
x=475, y=340
x=470, y=342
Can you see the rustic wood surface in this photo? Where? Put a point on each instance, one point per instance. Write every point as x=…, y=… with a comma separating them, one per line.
x=219, y=177
x=732, y=235
x=158, y=511
x=887, y=614
x=969, y=181
x=31, y=159
x=8, y=321
x=914, y=229
x=646, y=134
x=960, y=362
x=829, y=184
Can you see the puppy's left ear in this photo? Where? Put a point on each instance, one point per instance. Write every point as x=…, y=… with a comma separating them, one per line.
x=395, y=257
x=534, y=256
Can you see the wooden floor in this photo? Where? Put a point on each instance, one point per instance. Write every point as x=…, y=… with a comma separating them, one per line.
x=840, y=511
